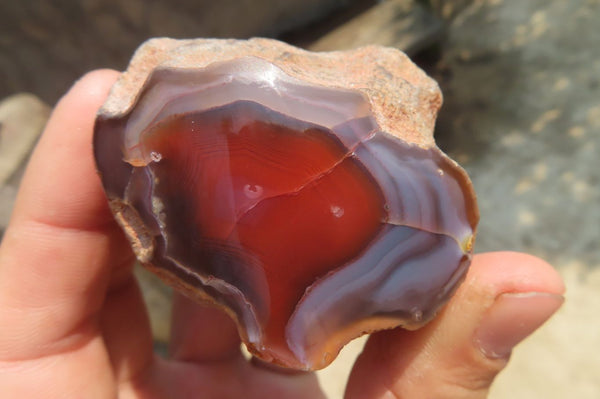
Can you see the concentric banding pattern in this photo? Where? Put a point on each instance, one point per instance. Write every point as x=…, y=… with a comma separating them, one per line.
x=402, y=277
x=173, y=92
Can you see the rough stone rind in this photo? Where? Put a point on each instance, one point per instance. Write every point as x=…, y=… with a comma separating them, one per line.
x=403, y=98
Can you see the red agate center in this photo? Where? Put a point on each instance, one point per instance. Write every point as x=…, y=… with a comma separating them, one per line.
x=262, y=190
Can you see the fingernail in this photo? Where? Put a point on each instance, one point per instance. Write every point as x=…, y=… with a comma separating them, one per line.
x=512, y=317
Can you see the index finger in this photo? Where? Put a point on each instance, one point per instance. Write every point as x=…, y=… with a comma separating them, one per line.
x=56, y=252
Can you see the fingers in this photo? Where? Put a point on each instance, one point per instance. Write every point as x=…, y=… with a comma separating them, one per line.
x=60, y=187
x=505, y=297
x=57, y=253
x=126, y=331
x=205, y=339
x=202, y=333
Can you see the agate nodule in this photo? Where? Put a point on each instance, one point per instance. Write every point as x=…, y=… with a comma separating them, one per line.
x=300, y=192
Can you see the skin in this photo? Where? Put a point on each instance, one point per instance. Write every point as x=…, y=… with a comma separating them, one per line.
x=74, y=324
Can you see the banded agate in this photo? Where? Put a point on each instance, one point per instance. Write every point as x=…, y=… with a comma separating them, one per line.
x=300, y=192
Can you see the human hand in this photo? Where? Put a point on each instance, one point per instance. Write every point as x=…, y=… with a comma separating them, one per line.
x=73, y=323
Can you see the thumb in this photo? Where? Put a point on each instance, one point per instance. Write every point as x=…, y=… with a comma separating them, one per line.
x=506, y=296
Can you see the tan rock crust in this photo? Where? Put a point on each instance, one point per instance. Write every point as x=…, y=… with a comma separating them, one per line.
x=403, y=99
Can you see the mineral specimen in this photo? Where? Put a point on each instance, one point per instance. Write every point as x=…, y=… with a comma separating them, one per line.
x=300, y=192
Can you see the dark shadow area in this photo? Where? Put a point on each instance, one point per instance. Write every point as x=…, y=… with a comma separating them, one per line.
x=45, y=46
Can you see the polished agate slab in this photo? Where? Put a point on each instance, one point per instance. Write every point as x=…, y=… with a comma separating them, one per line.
x=300, y=192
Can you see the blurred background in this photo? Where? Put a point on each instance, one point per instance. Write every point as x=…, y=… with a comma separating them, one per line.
x=521, y=83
